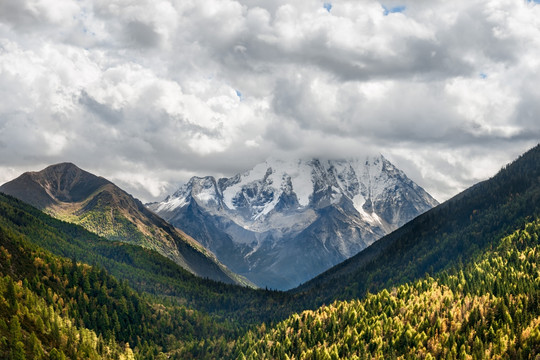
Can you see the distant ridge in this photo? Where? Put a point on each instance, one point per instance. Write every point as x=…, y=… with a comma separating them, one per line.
x=72, y=194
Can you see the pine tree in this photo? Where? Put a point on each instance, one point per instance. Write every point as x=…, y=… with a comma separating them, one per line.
x=57, y=355
x=11, y=297
x=15, y=339
x=34, y=346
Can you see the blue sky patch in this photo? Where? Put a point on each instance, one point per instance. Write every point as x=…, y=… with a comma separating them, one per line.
x=483, y=75
x=327, y=6
x=395, y=9
x=239, y=94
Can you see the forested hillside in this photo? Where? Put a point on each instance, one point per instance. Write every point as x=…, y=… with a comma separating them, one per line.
x=54, y=308
x=33, y=328
x=489, y=309
x=145, y=270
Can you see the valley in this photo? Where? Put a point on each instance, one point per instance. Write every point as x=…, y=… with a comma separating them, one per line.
x=460, y=280
x=269, y=180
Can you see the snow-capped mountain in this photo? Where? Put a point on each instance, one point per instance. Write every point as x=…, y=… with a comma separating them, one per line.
x=283, y=222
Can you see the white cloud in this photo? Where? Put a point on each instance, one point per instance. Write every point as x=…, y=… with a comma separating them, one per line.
x=147, y=92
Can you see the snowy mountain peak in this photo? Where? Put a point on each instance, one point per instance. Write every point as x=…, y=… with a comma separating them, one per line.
x=260, y=189
x=326, y=210
x=204, y=190
x=294, y=185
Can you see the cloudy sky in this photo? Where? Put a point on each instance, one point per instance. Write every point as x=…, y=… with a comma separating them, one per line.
x=148, y=93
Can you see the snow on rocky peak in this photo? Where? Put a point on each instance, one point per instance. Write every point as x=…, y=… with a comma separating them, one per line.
x=204, y=190
x=276, y=176
x=295, y=185
x=282, y=222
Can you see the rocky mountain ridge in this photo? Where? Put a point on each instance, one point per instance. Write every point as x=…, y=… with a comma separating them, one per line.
x=283, y=222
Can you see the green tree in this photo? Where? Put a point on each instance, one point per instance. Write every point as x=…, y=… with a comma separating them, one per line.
x=16, y=344
x=11, y=297
x=35, y=348
x=57, y=355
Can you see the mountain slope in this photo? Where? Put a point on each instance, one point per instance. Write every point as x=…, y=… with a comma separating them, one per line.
x=55, y=308
x=32, y=328
x=145, y=270
x=282, y=223
x=445, y=236
x=488, y=309
x=74, y=195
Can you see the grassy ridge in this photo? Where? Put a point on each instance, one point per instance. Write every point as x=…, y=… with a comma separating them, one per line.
x=72, y=194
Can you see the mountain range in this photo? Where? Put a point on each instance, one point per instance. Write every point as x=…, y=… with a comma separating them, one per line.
x=459, y=281
x=74, y=195
x=283, y=222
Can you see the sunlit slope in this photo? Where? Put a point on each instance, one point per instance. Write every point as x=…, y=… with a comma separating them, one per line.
x=489, y=309
x=71, y=194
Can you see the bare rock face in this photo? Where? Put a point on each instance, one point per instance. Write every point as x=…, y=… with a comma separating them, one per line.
x=283, y=222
